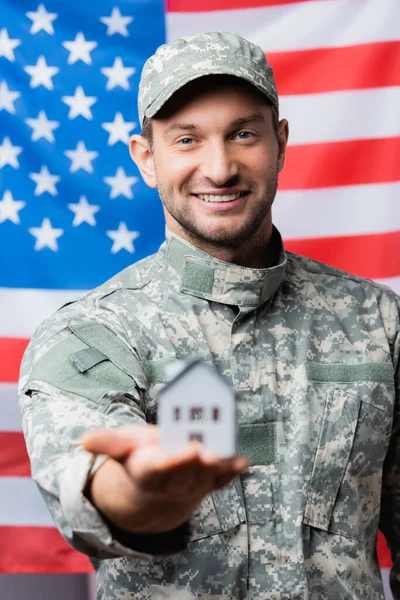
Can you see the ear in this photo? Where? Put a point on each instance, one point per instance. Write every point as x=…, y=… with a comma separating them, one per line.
x=142, y=155
x=283, y=135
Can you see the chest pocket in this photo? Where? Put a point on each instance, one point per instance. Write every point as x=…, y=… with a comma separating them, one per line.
x=343, y=494
x=219, y=512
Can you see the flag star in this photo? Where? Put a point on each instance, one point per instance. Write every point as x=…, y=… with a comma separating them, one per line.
x=118, y=129
x=41, y=74
x=9, y=208
x=123, y=238
x=7, y=98
x=9, y=153
x=7, y=45
x=79, y=49
x=46, y=236
x=120, y=184
x=41, y=19
x=81, y=158
x=79, y=104
x=45, y=182
x=118, y=74
x=116, y=23
x=84, y=212
x=42, y=127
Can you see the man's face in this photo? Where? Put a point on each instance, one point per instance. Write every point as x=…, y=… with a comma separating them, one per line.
x=216, y=158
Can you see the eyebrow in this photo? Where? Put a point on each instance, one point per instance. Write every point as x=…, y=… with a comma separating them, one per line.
x=253, y=118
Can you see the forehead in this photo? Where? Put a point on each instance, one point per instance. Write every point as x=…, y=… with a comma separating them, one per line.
x=233, y=93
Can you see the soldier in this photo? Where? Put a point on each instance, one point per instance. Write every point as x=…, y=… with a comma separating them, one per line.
x=311, y=352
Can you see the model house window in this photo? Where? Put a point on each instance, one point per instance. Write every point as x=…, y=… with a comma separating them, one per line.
x=196, y=414
x=177, y=413
x=196, y=437
x=215, y=414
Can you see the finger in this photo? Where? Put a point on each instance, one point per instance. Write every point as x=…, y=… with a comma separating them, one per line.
x=119, y=442
x=225, y=471
x=152, y=469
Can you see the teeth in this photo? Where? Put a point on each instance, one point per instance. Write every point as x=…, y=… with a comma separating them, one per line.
x=219, y=198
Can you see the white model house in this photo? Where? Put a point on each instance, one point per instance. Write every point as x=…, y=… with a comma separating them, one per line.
x=198, y=404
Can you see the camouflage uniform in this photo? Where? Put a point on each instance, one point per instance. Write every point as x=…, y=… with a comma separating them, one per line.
x=312, y=354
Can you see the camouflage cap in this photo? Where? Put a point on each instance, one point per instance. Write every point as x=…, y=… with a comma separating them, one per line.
x=191, y=57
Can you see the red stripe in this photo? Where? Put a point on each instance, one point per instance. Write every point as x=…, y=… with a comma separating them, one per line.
x=341, y=163
x=187, y=6
x=38, y=550
x=385, y=560
x=14, y=461
x=374, y=256
x=11, y=351
x=335, y=69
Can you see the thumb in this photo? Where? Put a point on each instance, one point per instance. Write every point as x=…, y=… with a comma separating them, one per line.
x=121, y=441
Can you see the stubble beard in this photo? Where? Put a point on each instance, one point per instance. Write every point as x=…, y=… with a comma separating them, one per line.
x=247, y=234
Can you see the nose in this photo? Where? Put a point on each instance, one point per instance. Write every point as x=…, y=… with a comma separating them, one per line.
x=218, y=165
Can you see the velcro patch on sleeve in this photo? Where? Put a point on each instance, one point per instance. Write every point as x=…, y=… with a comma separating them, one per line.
x=87, y=358
x=95, y=376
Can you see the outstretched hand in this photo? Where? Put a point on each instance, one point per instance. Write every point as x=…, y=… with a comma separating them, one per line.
x=167, y=486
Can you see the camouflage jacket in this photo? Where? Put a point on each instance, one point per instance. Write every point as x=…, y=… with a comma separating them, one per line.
x=313, y=356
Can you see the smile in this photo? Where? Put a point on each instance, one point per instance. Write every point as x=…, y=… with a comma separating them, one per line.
x=220, y=197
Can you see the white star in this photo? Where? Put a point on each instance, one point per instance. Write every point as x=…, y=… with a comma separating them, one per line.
x=79, y=104
x=81, y=158
x=84, y=212
x=9, y=208
x=7, y=98
x=41, y=74
x=123, y=238
x=116, y=23
x=118, y=129
x=45, y=182
x=118, y=74
x=79, y=49
x=41, y=19
x=9, y=153
x=7, y=45
x=46, y=236
x=42, y=127
x=120, y=184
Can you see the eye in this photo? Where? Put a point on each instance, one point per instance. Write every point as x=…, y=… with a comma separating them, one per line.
x=244, y=135
x=185, y=141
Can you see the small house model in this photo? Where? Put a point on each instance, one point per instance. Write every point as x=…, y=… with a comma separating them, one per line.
x=198, y=404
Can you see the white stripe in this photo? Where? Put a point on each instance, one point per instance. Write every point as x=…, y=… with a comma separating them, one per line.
x=331, y=212
x=322, y=24
x=22, y=310
x=392, y=282
x=22, y=504
x=339, y=116
x=10, y=416
x=385, y=573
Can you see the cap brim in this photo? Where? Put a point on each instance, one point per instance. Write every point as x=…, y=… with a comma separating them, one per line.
x=169, y=91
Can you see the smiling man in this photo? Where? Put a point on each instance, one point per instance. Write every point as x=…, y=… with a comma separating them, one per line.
x=311, y=352
x=216, y=150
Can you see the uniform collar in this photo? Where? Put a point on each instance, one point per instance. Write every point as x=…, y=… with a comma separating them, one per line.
x=207, y=277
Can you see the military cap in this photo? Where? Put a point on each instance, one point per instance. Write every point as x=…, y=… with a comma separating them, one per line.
x=188, y=58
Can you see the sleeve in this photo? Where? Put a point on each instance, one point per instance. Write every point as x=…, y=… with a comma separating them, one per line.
x=85, y=376
x=390, y=501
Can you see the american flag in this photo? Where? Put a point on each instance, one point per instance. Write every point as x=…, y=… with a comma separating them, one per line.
x=74, y=211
